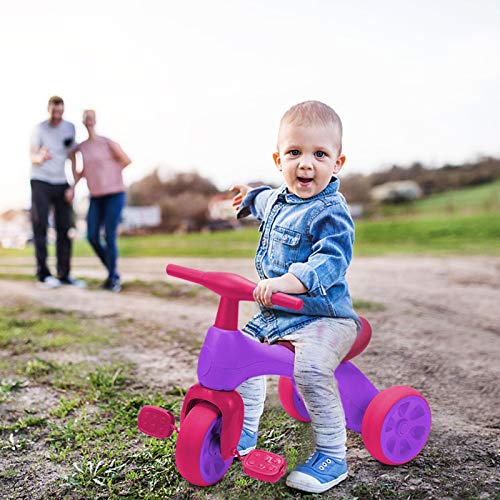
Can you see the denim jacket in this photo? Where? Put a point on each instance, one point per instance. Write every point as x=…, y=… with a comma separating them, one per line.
x=311, y=238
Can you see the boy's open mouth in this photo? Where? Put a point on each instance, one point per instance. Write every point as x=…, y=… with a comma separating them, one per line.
x=304, y=180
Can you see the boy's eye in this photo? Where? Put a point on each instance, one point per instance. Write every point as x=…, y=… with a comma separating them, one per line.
x=320, y=154
x=294, y=152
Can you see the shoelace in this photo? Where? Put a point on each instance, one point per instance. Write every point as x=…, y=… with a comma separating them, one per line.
x=324, y=465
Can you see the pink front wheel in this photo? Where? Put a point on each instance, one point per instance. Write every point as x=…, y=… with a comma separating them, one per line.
x=396, y=425
x=198, y=454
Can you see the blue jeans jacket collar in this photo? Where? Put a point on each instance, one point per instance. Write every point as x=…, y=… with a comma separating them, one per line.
x=293, y=199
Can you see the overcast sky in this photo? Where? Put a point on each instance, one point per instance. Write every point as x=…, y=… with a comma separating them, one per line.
x=203, y=84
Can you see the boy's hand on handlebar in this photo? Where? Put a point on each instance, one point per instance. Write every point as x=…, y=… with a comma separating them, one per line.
x=287, y=283
x=242, y=191
x=264, y=290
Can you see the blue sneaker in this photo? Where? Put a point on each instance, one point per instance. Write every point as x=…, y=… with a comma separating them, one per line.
x=248, y=442
x=318, y=474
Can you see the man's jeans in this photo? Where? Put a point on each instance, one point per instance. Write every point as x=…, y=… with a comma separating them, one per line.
x=43, y=196
x=105, y=211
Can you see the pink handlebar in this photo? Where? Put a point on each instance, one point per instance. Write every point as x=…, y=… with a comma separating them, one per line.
x=230, y=285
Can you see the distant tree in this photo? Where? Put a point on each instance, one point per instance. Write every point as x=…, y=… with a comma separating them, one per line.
x=147, y=191
x=435, y=180
x=186, y=212
x=183, y=198
x=356, y=188
x=191, y=182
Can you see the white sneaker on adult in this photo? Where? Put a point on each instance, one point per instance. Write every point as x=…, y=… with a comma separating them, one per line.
x=49, y=282
x=73, y=282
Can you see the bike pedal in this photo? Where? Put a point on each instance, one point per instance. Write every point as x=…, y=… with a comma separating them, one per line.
x=156, y=422
x=264, y=465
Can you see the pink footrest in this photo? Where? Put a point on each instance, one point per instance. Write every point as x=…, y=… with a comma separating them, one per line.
x=264, y=465
x=156, y=422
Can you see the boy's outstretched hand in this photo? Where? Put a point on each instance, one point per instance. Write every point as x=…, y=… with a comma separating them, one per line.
x=242, y=191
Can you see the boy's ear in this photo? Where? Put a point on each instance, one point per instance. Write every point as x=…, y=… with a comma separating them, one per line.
x=339, y=164
x=277, y=161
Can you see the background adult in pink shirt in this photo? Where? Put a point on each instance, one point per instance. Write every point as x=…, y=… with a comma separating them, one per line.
x=103, y=162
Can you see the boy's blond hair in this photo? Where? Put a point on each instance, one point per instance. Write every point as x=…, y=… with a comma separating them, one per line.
x=313, y=113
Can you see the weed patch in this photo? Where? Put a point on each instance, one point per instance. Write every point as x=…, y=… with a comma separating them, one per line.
x=25, y=330
x=367, y=305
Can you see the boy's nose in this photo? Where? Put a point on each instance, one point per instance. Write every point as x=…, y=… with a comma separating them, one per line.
x=305, y=162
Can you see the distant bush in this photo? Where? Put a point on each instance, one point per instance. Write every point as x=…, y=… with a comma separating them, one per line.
x=357, y=187
x=183, y=198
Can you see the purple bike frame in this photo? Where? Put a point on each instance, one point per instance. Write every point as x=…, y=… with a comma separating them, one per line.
x=228, y=358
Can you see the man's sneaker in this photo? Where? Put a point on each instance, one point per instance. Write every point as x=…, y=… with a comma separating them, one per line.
x=106, y=284
x=112, y=284
x=318, y=474
x=50, y=282
x=73, y=282
x=248, y=442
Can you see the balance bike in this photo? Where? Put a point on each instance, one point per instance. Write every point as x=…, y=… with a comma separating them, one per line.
x=394, y=423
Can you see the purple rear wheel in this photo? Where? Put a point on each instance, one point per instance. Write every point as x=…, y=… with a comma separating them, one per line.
x=396, y=425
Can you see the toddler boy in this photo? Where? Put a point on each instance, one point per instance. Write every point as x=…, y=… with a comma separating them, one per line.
x=305, y=248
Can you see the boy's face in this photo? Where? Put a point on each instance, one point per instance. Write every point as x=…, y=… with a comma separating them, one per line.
x=308, y=156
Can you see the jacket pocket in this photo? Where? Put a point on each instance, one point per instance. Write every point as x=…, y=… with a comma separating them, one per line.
x=284, y=246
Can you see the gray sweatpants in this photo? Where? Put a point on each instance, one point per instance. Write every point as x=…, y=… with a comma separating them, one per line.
x=319, y=348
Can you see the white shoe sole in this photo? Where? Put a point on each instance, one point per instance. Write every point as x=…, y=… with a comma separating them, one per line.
x=246, y=451
x=81, y=285
x=44, y=286
x=305, y=482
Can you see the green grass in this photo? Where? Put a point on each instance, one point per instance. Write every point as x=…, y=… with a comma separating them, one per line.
x=464, y=221
x=460, y=234
x=10, y=385
x=365, y=306
x=241, y=243
x=21, y=331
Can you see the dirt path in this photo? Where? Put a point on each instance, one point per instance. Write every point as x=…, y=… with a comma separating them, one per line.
x=439, y=332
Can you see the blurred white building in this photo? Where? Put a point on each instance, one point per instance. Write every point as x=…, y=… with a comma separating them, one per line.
x=15, y=228
x=139, y=217
x=397, y=191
